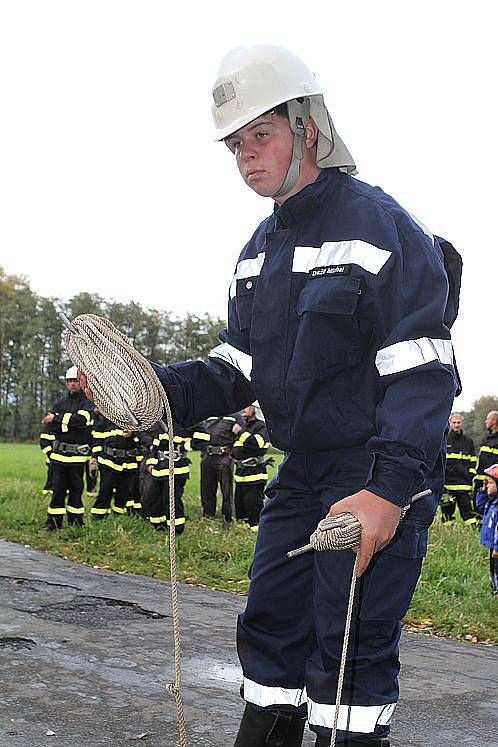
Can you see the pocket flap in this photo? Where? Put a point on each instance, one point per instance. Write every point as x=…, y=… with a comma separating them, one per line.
x=330, y=295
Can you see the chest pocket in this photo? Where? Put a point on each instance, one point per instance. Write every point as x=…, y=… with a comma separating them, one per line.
x=327, y=339
x=244, y=301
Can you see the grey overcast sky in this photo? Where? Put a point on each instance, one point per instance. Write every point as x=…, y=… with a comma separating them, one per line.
x=110, y=181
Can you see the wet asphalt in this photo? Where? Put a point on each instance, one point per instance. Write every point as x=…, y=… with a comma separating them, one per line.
x=85, y=656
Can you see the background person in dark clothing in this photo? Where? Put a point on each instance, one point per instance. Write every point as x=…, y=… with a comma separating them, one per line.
x=71, y=420
x=488, y=449
x=250, y=468
x=116, y=451
x=215, y=437
x=460, y=471
x=156, y=500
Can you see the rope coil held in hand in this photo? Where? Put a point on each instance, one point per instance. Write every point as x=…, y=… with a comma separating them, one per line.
x=127, y=391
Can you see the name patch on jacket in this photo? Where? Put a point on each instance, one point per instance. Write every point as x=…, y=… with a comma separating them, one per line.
x=320, y=272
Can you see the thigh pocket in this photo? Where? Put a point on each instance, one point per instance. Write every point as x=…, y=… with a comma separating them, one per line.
x=387, y=587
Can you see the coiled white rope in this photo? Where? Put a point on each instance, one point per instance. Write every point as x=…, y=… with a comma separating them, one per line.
x=127, y=391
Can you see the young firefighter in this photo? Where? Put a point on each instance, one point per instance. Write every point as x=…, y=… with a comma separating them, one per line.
x=156, y=499
x=116, y=451
x=70, y=420
x=459, y=474
x=338, y=322
x=250, y=468
x=487, y=505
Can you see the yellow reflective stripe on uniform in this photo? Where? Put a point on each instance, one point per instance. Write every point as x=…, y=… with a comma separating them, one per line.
x=233, y=420
x=468, y=522
x=459, y=456
x=46, y=449
x=65, y=420
x=86, y=415
x=116, y=467
x=56, y=511
x=96, y=449
x=74, y=510
x=202, y=436
x=267, y=445
x=242, y=438
x=250, y=478
x=178, y=522
x=107, y=434
x=165, y=472
x=458, y=487
x=489, y=450
x=157, y=519
x=47, y=436
x=100, y=511
x=481, y=477
x=156, y=442
x=152, y=460
x=178, y=439
x=119, y=510
x=259, y=440
x=137, y=504
x=129, y=503
x=472, y=471
x=188, y=444
x=71, y=459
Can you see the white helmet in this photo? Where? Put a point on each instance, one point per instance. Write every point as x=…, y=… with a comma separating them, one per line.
x=255, y=80
x=72, y=373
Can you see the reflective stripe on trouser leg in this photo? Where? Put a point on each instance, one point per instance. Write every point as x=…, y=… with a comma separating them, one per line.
x=278, y=641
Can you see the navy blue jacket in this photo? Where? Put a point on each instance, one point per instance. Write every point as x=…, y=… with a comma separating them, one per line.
x=338, y=324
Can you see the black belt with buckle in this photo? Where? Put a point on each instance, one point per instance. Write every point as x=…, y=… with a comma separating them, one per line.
x=119, y=452
x=61, y=447
x=218, y=450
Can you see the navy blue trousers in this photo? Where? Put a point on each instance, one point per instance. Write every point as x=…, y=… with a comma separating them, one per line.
x=290, y=635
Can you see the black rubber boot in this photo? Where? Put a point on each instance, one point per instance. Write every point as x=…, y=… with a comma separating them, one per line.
x=53, y=522
x=371, y=742
x=269, y=728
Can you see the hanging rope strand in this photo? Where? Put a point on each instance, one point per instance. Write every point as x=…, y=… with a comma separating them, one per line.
x=127, y=391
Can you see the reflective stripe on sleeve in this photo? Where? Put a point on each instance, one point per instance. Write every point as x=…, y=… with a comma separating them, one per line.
x=458, y=487
x=263, y=696
x=201, y=436
x=357, y=252
x=259, y=440
x=242, y=438
x=86, y=415
x=47, y=436
x=408, y=354
x=46, y=449
x=65, y=420
x=460, y=456
x=239, y=360
x=362, y=719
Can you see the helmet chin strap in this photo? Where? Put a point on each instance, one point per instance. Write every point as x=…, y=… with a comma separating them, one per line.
x=299, y=112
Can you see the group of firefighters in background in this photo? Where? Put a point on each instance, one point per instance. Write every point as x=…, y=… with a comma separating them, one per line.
x=134, y=468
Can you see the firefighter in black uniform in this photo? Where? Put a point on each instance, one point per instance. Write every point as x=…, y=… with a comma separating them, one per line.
x=156, y=498
x=488, y=449
x=250, y=468
x=215, y=438
x=460, y=471
x=116, y=451
x=71, y=420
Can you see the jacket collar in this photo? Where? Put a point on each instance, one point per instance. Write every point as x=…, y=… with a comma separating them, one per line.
x=301, y=206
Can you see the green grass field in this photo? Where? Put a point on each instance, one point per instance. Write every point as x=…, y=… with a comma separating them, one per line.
x=452, y=598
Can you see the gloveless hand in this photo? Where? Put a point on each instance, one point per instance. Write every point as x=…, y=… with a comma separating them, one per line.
x=378, y=518
x=84, y=385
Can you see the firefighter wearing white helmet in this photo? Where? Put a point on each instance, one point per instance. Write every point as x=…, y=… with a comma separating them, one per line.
x=338, y=324
x=67, y=428
x=254, y=80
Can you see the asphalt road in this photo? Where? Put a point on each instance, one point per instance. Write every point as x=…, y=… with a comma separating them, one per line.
x=85, y=655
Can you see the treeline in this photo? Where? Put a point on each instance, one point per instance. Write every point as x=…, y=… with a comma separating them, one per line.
x=33, y=359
